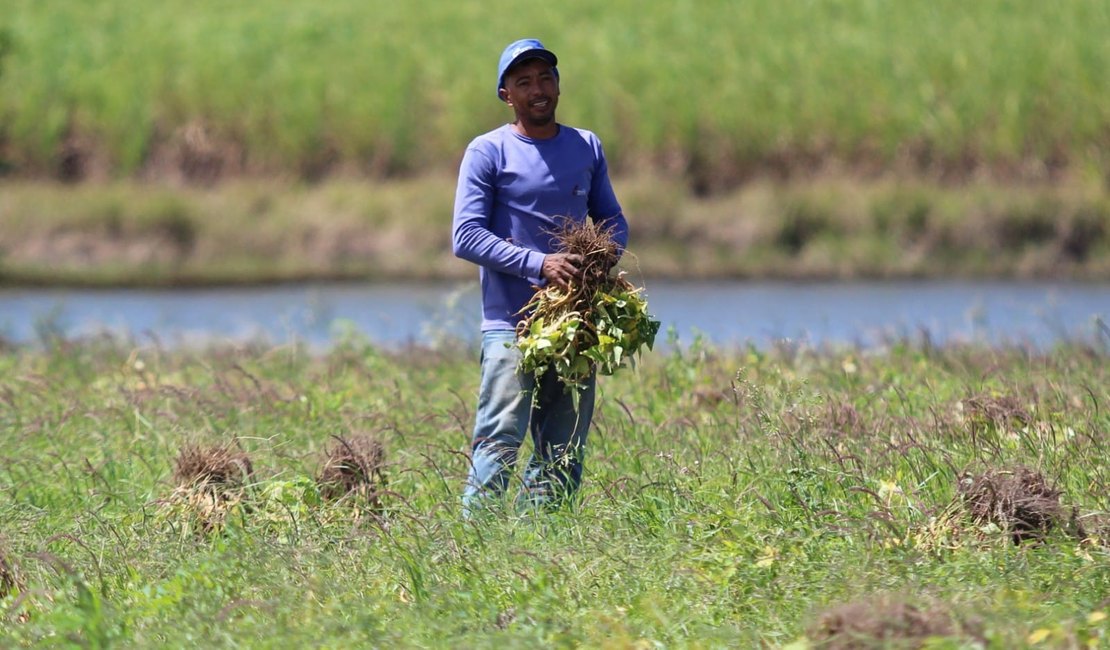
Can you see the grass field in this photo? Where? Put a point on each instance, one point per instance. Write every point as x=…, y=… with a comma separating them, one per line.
x=714, y=91
x=734, y=498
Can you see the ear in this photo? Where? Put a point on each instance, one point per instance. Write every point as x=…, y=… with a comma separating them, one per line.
x=504, y=95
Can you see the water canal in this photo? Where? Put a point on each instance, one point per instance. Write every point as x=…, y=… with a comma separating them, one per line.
x=725, y=313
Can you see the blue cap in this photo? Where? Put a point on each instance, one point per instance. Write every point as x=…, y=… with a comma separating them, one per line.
x=525, y=48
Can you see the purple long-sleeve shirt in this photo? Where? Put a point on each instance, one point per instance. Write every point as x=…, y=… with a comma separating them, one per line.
x=513, y=192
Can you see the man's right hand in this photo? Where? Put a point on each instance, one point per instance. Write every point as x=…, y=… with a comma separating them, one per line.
x=561, y=268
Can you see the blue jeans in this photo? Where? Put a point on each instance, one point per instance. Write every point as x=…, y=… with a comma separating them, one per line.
x=509, y=404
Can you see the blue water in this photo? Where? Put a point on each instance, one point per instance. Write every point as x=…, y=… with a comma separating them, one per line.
x=725, y=313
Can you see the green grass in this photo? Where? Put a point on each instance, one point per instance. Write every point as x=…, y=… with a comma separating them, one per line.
x=731, y=496
x=717, y=91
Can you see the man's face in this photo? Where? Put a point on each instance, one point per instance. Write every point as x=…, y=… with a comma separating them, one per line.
x=532, y=89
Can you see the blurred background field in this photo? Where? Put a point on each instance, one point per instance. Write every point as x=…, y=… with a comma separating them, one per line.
x=827, y=139
x=719, y=90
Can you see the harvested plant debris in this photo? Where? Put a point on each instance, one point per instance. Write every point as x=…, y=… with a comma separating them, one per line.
x=353, y=465
x=1019, y=501
x=211, y=483
x=884, y=622
x=600, y=323
x=216, y=469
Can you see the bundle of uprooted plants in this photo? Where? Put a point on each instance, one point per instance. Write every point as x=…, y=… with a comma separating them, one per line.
x=354, y=470
x=599, y=322
x=211, y=483
x=1018, y=503
x=887, y=620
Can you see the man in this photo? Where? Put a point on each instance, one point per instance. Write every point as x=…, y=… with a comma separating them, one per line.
x=516, y=185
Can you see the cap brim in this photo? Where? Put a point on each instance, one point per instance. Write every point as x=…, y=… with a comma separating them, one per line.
x=545, y=55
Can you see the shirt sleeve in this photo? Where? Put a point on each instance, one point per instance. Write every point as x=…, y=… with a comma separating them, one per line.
x=471, y=237
x=603, y=205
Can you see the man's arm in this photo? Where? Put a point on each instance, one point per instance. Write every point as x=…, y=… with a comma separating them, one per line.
x=471, y=237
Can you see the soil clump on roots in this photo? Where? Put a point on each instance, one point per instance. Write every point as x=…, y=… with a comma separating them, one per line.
x=1019, y=501
x=887, y=623
x=353, y=466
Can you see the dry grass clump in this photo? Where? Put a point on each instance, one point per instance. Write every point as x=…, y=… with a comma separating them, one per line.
x=886, y=622
x=1019, y=501
x=211, y=483
x=218, y=468
x=353, y=466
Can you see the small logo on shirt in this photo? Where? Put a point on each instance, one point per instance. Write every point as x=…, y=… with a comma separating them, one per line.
x=578, y=191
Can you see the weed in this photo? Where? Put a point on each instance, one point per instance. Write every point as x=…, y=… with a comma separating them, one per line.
x=211, y=485
x=217, y=469
x=703, y=521
x=1019, y=501
x=599, y=323
x=354, y=467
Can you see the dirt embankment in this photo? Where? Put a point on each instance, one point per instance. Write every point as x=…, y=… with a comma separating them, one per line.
x=819, y=227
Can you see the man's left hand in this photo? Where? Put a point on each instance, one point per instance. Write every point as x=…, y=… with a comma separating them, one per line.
x=561, y=268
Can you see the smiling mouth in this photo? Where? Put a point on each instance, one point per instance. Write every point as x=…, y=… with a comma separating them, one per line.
x=541, y=103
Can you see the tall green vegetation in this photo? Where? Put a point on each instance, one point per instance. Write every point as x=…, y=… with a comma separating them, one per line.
x=718, y=91
x=5, y=47
x=733, y=498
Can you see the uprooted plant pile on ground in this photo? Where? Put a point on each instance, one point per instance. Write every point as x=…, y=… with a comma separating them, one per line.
x=211, y=481
x=353, y=466
x=217, y=469
x=599, y=323
x=889, y=622
x=1019, y=501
